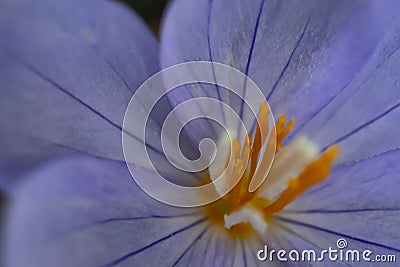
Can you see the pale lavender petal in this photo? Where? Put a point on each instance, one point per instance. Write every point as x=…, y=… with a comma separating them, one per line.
x=68, y=70
x=364, y=112
x=364, y=192
x=194, y=256
x=297, y=52
x=375, y=180
x=362, y=118
x=324, y=236
x=90, y=212
x=291, y=240
x=363, y=187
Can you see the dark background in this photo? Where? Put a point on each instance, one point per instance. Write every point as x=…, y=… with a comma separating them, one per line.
x=150, y=10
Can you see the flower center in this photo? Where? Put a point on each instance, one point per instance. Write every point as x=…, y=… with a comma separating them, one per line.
x=296, y=168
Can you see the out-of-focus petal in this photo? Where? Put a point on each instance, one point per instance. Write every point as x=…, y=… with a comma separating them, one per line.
x=67, y=71
x=300, y=53
x=90, y=212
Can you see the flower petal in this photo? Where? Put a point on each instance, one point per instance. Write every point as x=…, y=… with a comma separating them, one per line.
x=374, y=205
x=290, y=240
x=325, y=236
x=90, y=212
x=372, y=177
x=366, y=111
x=68, y=70
x=297, y=52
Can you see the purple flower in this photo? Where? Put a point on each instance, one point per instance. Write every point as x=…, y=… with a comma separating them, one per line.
x=69, y=69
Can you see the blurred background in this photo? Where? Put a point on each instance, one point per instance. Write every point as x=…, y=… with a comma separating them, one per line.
x=150, y=10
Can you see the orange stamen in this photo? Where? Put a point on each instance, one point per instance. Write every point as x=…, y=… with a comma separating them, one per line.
x=317, y=171
x=282, y=130
x=247, y=166
x=260, y=136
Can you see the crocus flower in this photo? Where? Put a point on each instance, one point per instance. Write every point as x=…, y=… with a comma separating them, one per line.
x=329, y=70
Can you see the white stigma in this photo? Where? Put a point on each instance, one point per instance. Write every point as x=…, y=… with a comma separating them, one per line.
x=246, y=215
